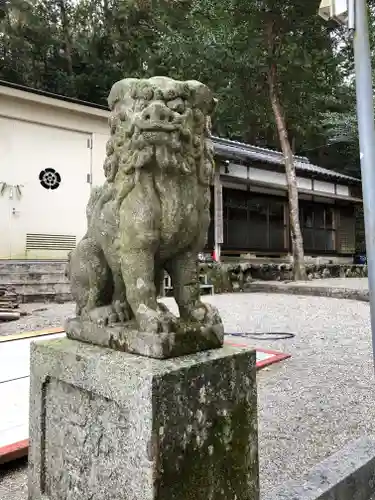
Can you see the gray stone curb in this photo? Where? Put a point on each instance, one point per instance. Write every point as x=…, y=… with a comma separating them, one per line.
x=346, y=475
x=314, y=291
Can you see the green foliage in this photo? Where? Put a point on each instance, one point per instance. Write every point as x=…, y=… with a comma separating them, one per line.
x=224, y=43
x=75, y=49
x=340, y=125
x=80, y=47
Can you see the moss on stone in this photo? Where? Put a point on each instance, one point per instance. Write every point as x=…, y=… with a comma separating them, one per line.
x=238, y=277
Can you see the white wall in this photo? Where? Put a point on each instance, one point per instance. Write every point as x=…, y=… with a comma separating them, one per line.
x=53, y=216
x=267, y=176
x=39, y=223
x=304, y=183
x=258, y=176
x=324, y=187
x=342, y=190
x=233, y=170
x=98, y=157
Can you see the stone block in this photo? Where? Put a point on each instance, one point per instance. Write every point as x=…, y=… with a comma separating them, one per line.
x=349, y=474
x=107, y=425
x=127, y=338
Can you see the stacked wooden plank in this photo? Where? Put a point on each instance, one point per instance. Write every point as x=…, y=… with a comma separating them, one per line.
x=9, y=304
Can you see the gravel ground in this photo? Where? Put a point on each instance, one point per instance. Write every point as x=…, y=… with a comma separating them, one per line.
x=40, y=316
x=13, y=481
x=310, y=405
x=354, y=283
x=46, y=315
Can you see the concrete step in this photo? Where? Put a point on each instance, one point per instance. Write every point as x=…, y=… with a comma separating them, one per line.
x=41, y=277
x=36, y=281
x=51, y=286
x=35, y=296
x=7, y=266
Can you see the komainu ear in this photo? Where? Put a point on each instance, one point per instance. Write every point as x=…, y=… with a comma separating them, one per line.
x=201, y=97
x=121, y=89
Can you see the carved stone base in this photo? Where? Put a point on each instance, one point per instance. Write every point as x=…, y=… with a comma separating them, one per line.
x=126, y=338
x=106, y=425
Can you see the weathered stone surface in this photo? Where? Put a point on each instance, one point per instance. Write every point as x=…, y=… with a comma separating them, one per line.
x=238, y=277
x=303, y=288
x=349, y=474
x=187, y=339
x=107, y=425
x=152, y=213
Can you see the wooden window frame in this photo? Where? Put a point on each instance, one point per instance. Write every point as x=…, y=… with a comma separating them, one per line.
x=315, y=229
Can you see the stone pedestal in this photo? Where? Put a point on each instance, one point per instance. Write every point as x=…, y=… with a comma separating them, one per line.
x=106, y=425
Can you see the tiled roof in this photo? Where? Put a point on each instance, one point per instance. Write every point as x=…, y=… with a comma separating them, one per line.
x=234, y=149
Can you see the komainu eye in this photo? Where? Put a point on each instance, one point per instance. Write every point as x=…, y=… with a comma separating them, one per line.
x=176, y=105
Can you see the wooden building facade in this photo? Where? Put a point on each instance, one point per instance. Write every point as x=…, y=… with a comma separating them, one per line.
x=253, y=214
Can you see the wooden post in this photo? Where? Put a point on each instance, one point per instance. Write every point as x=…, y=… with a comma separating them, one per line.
x=218, y=214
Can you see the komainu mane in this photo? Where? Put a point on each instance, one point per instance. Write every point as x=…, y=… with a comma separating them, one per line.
x=152, y=213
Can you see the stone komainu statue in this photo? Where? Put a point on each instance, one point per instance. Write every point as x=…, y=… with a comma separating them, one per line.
x=152, y=213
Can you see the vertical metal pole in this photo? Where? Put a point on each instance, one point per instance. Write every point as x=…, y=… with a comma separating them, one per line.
x=366, y=128
x=218, y=214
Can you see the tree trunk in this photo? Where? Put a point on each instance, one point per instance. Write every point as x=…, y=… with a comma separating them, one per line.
x=274, y=42
x=67, y=40
x=295, y=228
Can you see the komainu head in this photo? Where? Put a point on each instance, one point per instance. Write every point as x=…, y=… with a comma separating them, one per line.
x=160, y=123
